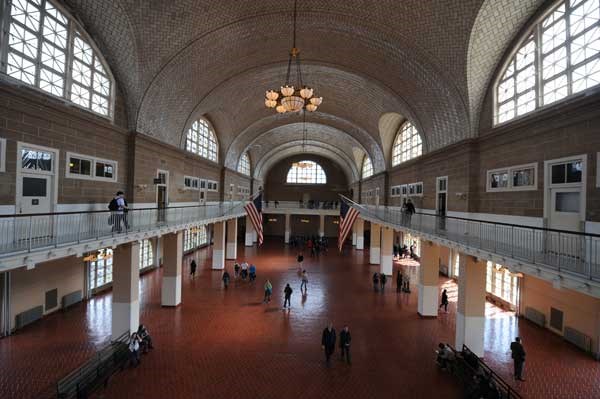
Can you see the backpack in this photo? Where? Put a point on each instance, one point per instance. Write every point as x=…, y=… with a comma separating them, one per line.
x=113, y=205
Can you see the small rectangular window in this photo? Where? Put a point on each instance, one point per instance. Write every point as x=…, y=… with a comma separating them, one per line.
x=36, y=160
x=523, y=177
x=80, y=166
x=514, y=178
x=91, y=168
x=105, y=170
x=499, y=179
x=34, y=187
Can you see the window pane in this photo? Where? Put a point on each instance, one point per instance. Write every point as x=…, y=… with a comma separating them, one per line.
x=574, y=172
x=499, y=179
x=523, y=177
x=558, y=174
x=34, y=187
x=567, y=202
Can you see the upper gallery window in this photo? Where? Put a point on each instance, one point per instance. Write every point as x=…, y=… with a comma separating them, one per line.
x=244, y=164
x=306, y=172
x=407, y=145
x=201, y=140
x=367, y=167
x=559, y=57
x=47, y=49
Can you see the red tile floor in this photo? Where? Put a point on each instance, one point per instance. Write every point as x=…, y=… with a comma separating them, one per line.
x=227, y=344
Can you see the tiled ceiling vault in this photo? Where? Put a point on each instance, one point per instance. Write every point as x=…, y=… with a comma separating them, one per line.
x=427, y=60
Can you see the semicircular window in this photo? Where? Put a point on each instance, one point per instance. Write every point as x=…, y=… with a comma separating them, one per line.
x=306, y=172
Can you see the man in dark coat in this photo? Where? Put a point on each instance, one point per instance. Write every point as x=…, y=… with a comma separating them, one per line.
x=345, y=340
x=518, y=355
x=328, y=341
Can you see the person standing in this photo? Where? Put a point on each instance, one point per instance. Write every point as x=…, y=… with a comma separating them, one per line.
x=376, y=282
x=383, y=280
x=410, y=210
x=236, y=270
x=300, y=260
x=399, y=281
x=345, y=340
x=304, y=283
x=268, y=291
x=444, y=300
x=226, y=279
x=287, y=292
x=518, y=355
x=193, y=267
x=328, y=341
x=134, y=349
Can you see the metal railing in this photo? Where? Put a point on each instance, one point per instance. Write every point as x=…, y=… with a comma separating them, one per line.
x=327, y=205
x=25, y=233
x=561, y=250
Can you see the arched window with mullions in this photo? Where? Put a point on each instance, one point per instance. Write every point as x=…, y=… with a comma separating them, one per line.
x=201, y=140
x=407, y=145
x=559, y=57
x=367, y=167
x=244, y=164
x=306, y=172
x=49, y=50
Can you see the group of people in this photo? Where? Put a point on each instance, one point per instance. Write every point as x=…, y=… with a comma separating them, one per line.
x=139, y=342
x=314, y=245
x=316, y=204
x=408, y=209
x=244, y=271
x=402, y=282
x=118, y=216
x=328, y=339
x=402, y=251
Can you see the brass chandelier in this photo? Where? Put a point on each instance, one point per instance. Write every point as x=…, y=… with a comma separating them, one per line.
x=290, y=97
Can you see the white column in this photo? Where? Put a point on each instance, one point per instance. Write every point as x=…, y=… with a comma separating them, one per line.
x=427, y=304
x=321, y=225
x=360, y=234
x=159, y=250
x=254, y=236
x=288, y=228
x=172, y=258
x=354, y=234
x=470, y=317
x=126, y=289
x=218, y=255
x=249, y=232
x=231, y=239
x=387, y=251
x=375, y=248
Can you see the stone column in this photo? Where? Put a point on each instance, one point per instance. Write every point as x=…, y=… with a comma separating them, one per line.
x=354, y=233
x=172, y=258
x=360, y=234
x=375, y=249
x=445, y=260
x=387, y=251
x=429, y=271
x=254, y=236
x=249, y=232
x=126, y=289
x=159, y=251
x=470, y=317
x=218, y=255
x=321, y=225
x=231, y=239
x=288, y=228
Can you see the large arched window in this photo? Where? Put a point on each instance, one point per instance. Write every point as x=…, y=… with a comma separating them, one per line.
x=407, y=145
x=367, y=167
x=47, y=49
x=306, y=172
x=201, y=140
x=244, y=164
x=559, y=57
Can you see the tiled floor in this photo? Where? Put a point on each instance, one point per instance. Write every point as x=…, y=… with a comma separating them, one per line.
x=227, y=344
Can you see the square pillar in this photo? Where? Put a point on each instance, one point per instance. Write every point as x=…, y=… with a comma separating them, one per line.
x=354, y=234
x=470, y=316
x=429, y=271
x=375, y=249
x=360, y=233
x=249, y=229
x=172, y=258
x=387, y=251
x=126, y=289
x=254, y=236
x=321, y=225
x=288, y=228
x=218, y=255
x=231, y=239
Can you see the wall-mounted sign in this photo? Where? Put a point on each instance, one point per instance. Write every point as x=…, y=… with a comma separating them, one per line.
x=336, y=222
x=101, y=254
x=304, y=221
x=272, y=220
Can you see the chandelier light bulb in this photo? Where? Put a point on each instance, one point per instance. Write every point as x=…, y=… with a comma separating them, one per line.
x=280, y=108
x=287, y=90
x=311, y=107
x=292, y=103
x=270, y=103
x=272, y=95
x=306, y=92
x=316, y=101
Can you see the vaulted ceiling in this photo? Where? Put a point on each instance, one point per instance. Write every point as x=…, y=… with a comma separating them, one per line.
x=428, y=61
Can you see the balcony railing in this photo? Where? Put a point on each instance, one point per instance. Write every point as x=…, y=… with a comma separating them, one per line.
x=328, y=205
x=561, y=250
x=25, y=233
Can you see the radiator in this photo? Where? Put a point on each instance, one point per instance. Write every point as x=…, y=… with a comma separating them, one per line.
x=535, y=316
x=29, y=316
x=578, y=339
x=71, y=299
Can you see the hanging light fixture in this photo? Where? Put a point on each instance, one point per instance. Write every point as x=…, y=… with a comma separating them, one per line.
x=290, y=97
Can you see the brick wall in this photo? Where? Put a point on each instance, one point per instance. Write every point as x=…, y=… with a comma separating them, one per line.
x=238, y=180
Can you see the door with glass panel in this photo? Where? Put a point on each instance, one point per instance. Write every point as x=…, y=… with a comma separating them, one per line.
x=441, y=201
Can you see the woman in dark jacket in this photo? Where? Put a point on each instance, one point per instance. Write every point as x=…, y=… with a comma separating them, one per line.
x=376, y=282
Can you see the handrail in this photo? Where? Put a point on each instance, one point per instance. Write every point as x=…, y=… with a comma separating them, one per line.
x=497, y=379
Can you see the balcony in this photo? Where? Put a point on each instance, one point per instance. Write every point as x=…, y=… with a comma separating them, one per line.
x=299, y=208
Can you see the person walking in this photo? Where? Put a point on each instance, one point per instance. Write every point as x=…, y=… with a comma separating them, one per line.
x=409, y=210
x=328, y=341
x=382, y=280
x=399, y=281
x=226, y=279
x=518, y=355
x=134, y=349
x=117, y=207
x=300, y=259
x=376, y=282
x=193, y=267
x=236, y=270
x=287, y=292
x=345, y=340
x=444, y=300
x=268, y=291
x=252, y=272
x=304, y=283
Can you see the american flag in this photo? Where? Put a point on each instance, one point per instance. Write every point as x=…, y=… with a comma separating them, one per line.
x=254, y=211
x=347, y=217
